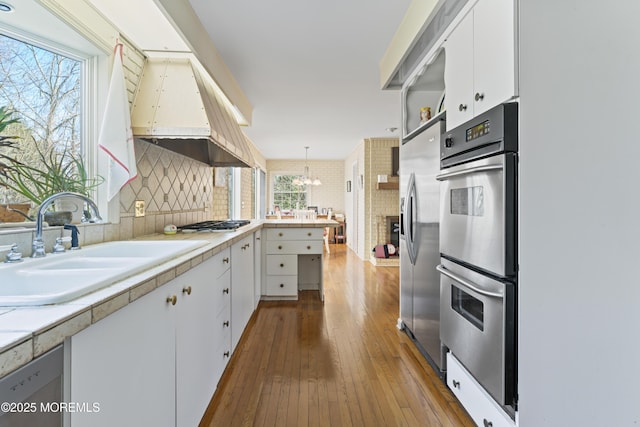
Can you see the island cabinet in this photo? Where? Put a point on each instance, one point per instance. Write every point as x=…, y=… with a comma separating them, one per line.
x=293, y=261
x=480, y=61
x=157, y=361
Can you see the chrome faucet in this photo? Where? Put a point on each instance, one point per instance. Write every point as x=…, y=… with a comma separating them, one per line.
x=38, y=242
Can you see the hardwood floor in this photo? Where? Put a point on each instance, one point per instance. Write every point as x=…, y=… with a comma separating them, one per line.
x=341, y=363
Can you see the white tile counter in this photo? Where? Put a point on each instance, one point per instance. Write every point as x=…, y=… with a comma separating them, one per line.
x=28, y=332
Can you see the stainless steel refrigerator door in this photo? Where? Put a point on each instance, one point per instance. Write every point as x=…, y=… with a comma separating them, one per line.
x=419, y=164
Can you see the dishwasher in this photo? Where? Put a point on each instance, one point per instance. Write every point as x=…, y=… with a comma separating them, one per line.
x=31, y=395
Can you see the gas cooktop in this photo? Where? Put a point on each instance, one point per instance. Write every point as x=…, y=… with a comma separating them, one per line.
x=217, y=225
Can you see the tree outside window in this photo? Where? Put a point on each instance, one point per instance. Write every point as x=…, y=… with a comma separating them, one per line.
x=43, y=90
x=287, y=195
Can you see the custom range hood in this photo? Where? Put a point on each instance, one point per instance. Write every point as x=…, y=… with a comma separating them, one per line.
x=177, y=109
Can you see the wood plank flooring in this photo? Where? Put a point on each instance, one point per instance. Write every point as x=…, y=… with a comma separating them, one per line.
x=341, y=363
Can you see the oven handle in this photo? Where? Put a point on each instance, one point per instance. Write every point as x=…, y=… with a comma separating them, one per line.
x=467, y=283
x=447, y=175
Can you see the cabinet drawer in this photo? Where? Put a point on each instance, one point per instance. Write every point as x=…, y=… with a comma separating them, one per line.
x=478, y=403
x=282, y=264
x=294, y=247
x=221, y=329
x=294, y=233
x=282, y=285
x=221, y=262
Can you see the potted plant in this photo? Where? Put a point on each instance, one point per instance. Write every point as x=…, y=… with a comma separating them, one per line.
x=52, y=171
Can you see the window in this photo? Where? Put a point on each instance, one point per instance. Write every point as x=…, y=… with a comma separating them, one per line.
x=288, y=196
x=43, y=88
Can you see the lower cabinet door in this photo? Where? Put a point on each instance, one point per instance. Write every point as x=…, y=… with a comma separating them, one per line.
x=125, y=363
x=195, y=344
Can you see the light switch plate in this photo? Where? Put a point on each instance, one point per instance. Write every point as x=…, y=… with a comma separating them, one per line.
x=139, y=208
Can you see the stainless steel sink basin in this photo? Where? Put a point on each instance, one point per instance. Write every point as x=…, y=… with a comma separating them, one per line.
x=63, y=277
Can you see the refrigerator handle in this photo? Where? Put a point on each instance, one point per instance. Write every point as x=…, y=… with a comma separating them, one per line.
x=410, y=217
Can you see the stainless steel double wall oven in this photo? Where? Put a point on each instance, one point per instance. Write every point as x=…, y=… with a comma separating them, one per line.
x=478, y=248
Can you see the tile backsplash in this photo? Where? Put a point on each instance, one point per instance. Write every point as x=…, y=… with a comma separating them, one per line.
x=175, y=189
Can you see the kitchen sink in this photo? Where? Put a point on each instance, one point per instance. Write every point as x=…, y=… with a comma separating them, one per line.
x=59, y=278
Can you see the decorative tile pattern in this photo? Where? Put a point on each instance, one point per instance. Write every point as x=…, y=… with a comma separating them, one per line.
x=175, y=189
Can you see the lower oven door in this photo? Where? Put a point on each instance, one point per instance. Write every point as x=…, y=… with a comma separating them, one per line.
x=478, y=213
x=477, y=325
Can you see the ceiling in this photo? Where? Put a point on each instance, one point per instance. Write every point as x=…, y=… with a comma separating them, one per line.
x=310, y=70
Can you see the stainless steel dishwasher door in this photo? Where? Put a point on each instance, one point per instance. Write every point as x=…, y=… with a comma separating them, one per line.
x=31, y=395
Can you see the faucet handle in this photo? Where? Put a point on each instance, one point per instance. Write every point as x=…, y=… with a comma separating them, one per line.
x=74, y=236
x=13, y=255
x=59, y=248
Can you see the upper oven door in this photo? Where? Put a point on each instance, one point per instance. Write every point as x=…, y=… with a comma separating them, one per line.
x=477, y=214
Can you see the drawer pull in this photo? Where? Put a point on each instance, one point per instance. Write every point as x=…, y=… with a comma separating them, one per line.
x=281, y=265
x=225, y=291
x=456, y=384
x=257, y=238
x=309, y=247
x=225, y=260
x=309, y=234
x=280, y=234
x=282, y=285
x=186, y=290
x=279, y=247
x=226, y=354
x=225, y=324
x=172, y=300
x=487, y=423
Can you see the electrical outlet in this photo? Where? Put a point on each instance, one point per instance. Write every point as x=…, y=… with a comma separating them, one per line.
x=139, y=208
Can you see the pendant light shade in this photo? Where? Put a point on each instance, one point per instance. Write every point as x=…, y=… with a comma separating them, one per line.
x=306, y=179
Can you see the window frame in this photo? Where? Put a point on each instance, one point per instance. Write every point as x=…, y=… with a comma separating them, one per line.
x=272, y=184
x=90, y=65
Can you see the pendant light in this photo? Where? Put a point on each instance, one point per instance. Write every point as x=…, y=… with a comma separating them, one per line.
x=306, y=178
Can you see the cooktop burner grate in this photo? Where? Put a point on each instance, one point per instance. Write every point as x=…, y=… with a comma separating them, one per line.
x=229, y=224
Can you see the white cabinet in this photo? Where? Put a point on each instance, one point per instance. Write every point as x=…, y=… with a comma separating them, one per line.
x=201, y=335
x=126, y=363
x=158, y=360
x=481, y=407
x=481, y=69
x=293, y=261
x=257, y=265
x=242, y=287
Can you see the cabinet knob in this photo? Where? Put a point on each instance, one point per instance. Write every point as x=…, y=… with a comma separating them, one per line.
x=172, y=300
x=226, y=354
x=226, y=260
x=308, y=247
x=186, y=290
x=279, y=247
x=487, y=423
x=282, y=285
x=280, y=234
x=456, y=384
x=225, y=291
x=479, y=96
x=462, y=107
x=309, y=234
x=225, y=324
x=281, y=265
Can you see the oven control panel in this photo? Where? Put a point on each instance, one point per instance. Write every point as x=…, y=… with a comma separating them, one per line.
x=492, y=132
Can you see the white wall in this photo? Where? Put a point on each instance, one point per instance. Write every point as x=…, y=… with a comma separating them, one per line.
x=579, y=339
x=354, y=203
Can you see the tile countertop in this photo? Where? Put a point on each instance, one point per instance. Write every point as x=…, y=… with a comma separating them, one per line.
x=28, y=332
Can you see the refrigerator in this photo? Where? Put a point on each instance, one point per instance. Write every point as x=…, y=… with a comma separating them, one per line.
x=419, y=241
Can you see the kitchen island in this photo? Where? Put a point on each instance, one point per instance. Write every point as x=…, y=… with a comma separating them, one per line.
x=293, y=256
